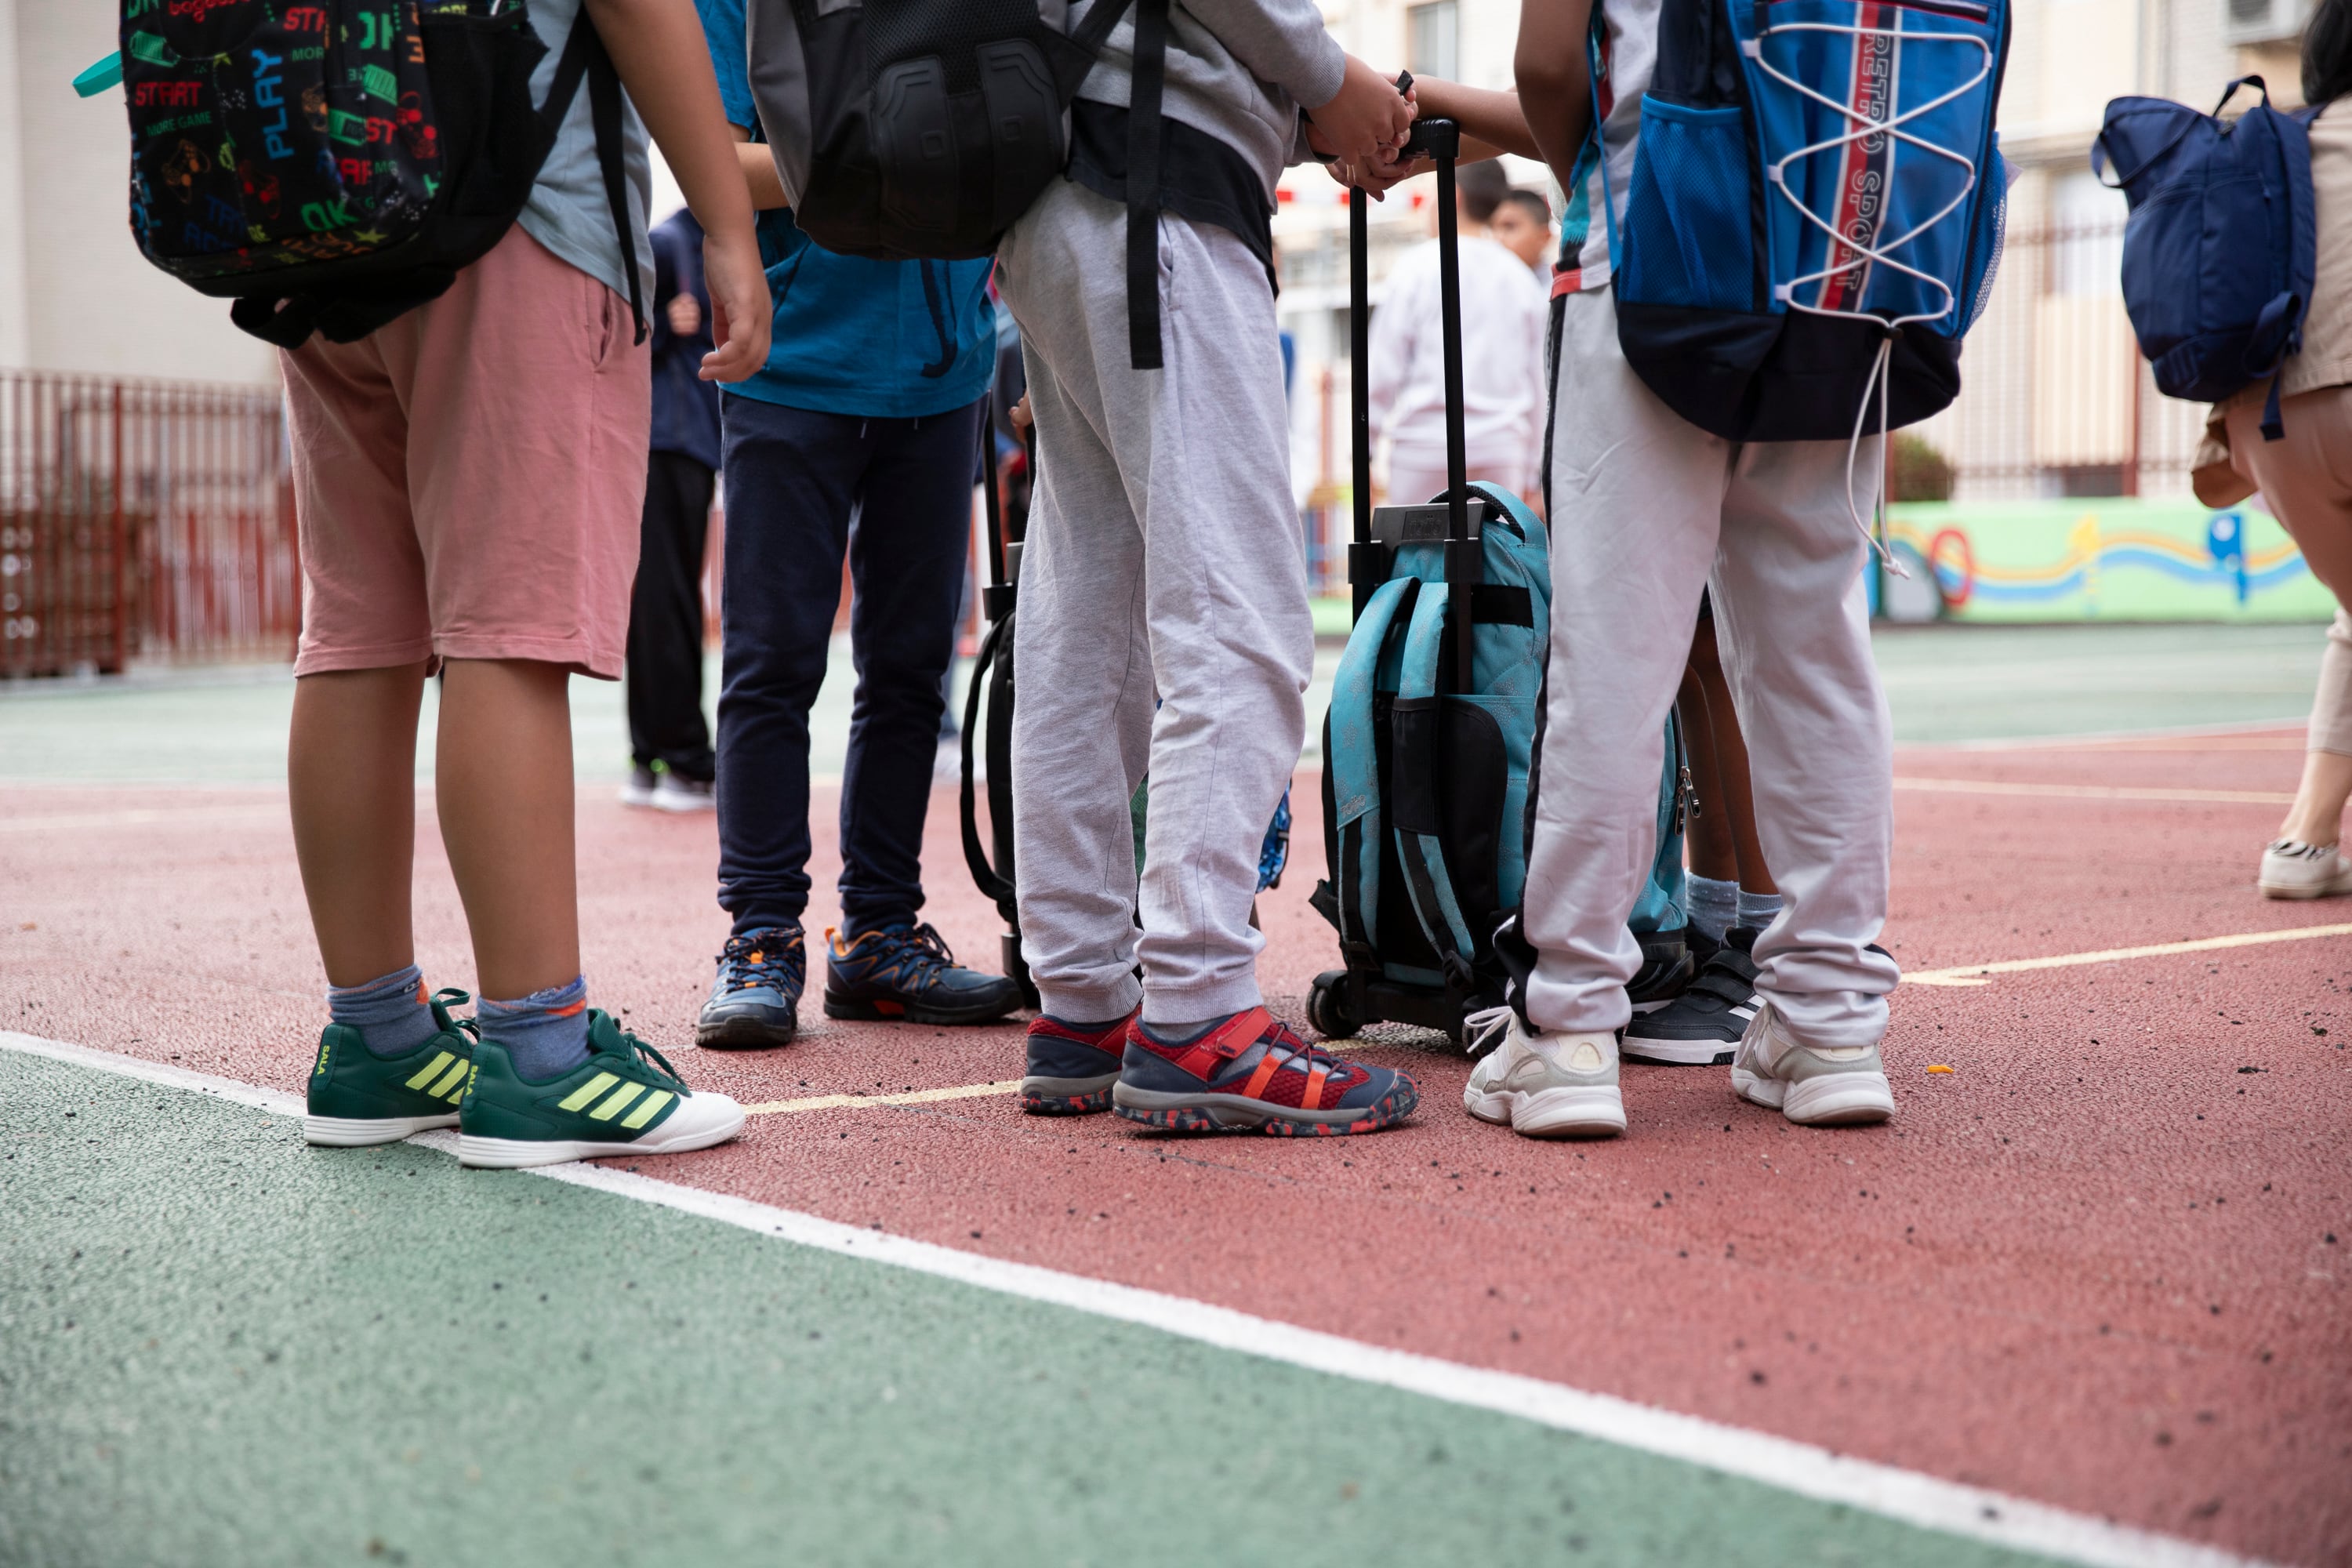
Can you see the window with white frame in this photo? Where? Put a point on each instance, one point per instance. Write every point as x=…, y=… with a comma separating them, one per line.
x=1432, y=33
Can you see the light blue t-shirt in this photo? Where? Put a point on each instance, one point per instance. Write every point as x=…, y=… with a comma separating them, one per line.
x=569, y=212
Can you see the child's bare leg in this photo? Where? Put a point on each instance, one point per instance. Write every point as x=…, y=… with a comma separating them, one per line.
x=504, y=782
x=351, y=768
x=1731, y=765
x=1712, y=854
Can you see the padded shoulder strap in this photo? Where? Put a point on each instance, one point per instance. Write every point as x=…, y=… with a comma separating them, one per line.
x=1353, y=765
x=1414, y=757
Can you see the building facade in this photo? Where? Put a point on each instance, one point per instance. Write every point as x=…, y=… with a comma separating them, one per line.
x=2057, y=401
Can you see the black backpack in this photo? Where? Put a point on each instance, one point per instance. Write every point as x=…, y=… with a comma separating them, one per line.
x=907, y=130
x=330, y=165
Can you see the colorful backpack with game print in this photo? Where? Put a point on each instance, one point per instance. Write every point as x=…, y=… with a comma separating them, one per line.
x=332, y=164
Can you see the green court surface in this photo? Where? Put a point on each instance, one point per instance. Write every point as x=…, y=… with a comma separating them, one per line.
x=1944, y=683
x=373, y=1357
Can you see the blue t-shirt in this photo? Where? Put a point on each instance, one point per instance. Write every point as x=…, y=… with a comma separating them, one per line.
x=888, y=339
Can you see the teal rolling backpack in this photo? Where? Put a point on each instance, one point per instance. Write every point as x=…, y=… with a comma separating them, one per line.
x=1436, y=721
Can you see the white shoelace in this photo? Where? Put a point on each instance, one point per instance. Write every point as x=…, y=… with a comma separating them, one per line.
x=1861, y=255
x=1484, y=1030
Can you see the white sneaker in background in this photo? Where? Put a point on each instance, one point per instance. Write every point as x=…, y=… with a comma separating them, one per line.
x=639, y=789
x=1813, y=1086
x=676, y=794
x=1542, y=1085
x=2291, y=869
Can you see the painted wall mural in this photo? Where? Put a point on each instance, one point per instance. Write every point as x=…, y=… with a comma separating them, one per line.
x=2106, y=559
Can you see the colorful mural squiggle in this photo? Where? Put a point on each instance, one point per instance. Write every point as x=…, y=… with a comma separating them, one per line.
x=2113, y=558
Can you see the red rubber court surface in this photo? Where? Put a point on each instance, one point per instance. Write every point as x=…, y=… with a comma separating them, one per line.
x=2102, y=1262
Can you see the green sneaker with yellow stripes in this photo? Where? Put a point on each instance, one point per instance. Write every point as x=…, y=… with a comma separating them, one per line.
x=357, y=1097
x=624, y=1099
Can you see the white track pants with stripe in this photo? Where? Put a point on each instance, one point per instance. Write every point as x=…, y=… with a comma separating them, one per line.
x=1647, y=510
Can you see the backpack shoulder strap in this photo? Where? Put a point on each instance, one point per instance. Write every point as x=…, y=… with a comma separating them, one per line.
x=1090, y=34
x=1143, y=128
x=1416, y=754
x=1353, y=764
x=584, y=59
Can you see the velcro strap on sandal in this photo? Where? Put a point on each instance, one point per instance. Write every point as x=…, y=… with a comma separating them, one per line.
x=1236, y=1033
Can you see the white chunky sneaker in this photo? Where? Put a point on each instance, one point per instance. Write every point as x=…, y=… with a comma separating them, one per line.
x=1539, y=1084
x=2291, y=869
x=1813, y=1086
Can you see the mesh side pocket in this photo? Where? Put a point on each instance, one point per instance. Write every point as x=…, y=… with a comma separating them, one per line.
x=1687, y=239
x=1990, y=247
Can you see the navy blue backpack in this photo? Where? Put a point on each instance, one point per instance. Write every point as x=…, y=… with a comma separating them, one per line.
x=1815, y=213
x=2221, y=245
x=1437, y=719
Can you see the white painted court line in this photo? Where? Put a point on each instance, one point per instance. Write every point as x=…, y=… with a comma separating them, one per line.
x=2094, y=792
x=912, y=1096
x=1908, y=1497
x=278, y=1102
x=1975, y=973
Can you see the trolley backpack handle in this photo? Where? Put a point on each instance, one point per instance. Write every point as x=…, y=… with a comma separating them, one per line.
x=1439, y=140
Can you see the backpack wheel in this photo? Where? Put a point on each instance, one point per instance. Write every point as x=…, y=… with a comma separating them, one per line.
x=1327, y=1010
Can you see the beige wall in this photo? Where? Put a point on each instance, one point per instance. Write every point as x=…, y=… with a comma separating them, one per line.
x=83, y=297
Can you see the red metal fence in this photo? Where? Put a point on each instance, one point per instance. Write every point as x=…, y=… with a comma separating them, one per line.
x=142, y=519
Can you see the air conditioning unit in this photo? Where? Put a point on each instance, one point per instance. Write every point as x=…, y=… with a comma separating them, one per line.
x=2262, y=21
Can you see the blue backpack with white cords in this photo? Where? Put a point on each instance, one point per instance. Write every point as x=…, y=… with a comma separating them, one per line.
x=1815, y=213
x=1429, y=749
x=2221, y=247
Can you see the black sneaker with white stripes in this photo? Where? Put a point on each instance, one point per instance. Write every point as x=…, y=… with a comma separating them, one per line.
x=1702, y=1026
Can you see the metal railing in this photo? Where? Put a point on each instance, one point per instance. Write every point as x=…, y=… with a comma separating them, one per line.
x=2056, y=399
x=142, y=519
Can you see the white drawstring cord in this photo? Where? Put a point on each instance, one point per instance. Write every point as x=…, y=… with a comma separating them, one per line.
x=1864, y=255
x=1875, y=531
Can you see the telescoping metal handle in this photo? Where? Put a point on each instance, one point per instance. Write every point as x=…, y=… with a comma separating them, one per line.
x=1440, y=140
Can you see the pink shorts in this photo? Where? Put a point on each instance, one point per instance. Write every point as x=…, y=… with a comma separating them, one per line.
x=468, y=479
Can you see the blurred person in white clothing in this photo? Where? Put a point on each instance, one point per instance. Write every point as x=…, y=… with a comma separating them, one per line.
x=1503, y=327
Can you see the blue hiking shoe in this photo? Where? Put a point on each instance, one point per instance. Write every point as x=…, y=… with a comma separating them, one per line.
x=906, y=974
x=754, y=1002
x=1251, y=1074
x=1071, y=1070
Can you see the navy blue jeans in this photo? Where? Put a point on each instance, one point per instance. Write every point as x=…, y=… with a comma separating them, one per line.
x=795, y=481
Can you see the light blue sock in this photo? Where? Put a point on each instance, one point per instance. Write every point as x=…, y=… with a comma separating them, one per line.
x=1712, y=904
x=545, y=1033
x=390, y=1014
x=1756, y=910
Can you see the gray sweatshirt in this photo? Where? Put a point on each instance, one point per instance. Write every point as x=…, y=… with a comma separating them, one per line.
x=1239, y=69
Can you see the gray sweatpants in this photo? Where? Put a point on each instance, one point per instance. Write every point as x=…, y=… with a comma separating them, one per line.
x=1163, y=559
x=1647, y=508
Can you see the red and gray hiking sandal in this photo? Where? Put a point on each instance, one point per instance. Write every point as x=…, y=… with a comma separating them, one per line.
x=1071, y=1068
x=1252, y=1074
